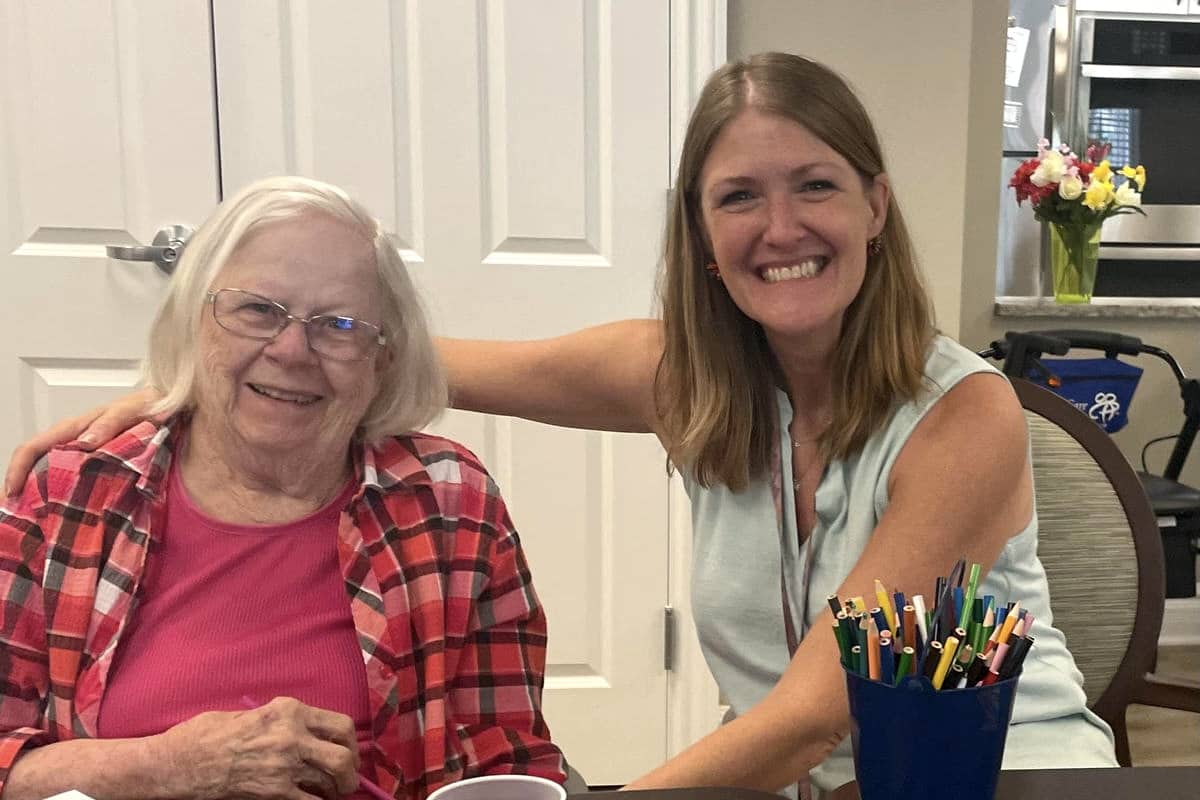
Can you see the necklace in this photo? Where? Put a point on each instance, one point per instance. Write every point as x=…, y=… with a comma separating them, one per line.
x=798, y=483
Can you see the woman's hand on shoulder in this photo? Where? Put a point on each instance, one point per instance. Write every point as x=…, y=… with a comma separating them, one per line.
x=284, y=749
x=89, y=429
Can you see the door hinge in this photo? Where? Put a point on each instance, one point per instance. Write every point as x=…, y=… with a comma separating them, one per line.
x=668, y=638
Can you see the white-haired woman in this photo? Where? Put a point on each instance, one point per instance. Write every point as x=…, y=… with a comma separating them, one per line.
x=280, y=588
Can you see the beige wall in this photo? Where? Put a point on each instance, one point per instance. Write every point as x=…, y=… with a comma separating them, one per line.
x=931, y=74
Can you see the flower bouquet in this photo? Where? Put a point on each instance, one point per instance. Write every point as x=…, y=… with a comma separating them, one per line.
x=1075, y=196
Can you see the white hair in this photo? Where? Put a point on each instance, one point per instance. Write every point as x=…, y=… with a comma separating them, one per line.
x=411, y=390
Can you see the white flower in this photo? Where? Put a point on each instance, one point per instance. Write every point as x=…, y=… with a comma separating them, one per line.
x=1050, y=170
x=1126, y=195
x=1070, y=187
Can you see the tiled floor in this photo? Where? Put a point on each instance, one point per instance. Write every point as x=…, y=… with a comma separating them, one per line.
x=1162, y=737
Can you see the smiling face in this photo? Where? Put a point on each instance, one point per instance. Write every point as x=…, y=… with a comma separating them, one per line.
x=277, y=396
x=788, y=220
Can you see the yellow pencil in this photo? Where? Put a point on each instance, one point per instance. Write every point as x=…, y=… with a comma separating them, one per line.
x=885, y=603
x=1009, y=622
x=945, y=661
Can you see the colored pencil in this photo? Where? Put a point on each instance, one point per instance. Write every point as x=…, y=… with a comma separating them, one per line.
x=918, y=602
x=944, y=661
x=906, y=664
x=887, y=660
x=885, y=603
x=872, y=651
x=969, y=600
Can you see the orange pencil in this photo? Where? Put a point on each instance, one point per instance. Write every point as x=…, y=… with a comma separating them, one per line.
x=910, y=626
x=872, y=650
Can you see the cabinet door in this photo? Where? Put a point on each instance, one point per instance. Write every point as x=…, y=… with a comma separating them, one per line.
x=519, y=151
x=107, y=133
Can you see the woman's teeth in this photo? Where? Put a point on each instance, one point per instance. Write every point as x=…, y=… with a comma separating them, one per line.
x=805, y=269
x=290, y=397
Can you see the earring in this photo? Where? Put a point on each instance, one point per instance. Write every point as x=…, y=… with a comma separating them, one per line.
x=875, y=246
x=714, y=271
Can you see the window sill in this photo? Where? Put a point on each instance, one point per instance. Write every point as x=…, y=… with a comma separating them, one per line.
x=1101, y=308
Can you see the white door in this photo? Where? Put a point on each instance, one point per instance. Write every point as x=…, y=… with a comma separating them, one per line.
x=520, y=152
x=106, y=135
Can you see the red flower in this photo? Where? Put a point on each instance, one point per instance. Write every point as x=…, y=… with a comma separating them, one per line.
x=1020, y=181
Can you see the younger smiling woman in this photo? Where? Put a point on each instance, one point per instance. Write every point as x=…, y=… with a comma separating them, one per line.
x=826, y=433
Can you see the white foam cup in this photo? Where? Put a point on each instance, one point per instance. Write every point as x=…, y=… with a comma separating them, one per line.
x=501, y=787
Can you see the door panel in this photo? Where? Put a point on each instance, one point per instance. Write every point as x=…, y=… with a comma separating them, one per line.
x=103, y=147
x=519, y=151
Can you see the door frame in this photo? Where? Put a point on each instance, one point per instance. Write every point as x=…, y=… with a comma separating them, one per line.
x=698, y=46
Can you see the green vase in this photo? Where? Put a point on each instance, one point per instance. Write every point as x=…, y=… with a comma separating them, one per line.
x=1074, y=252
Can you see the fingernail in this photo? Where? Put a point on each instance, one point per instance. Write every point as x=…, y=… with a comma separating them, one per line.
x=88, y=438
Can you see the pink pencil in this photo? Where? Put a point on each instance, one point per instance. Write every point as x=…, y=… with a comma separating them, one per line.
x=364, y=783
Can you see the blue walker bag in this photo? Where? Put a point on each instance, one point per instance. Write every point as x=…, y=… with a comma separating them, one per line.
x=1102, y=388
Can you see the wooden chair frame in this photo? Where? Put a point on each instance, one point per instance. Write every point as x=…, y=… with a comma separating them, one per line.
x=1134, y=680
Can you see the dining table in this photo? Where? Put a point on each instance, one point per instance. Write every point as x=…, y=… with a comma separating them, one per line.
x=1128, y=783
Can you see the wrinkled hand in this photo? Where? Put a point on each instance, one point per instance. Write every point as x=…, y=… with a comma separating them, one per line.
x=284, y=749
x=89, y=429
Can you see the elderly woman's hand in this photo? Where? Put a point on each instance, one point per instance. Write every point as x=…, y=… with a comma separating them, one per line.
x=284, y=749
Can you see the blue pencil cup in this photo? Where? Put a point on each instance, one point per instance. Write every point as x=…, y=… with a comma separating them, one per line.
x=912, y=741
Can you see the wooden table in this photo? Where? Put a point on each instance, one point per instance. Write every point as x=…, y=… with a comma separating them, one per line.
x=1151, y=783
x=1138, y=783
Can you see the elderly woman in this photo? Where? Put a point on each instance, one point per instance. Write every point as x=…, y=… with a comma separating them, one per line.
x=280, y=588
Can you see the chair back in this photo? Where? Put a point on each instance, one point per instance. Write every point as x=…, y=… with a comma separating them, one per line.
x=1099, y=542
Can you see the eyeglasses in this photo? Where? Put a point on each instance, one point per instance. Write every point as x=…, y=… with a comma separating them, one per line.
x=256, y=317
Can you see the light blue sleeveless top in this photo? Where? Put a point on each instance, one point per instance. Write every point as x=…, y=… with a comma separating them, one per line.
x=736, y=600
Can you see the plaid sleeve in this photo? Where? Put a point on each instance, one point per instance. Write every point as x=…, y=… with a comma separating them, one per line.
x=496, y=694
x=24, y=675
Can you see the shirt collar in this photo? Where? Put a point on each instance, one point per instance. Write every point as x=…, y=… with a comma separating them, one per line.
x=147, y=448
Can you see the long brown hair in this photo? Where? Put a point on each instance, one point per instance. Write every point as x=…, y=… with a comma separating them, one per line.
x=715, y=385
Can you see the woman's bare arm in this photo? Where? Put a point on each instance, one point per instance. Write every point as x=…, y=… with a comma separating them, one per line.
x=935, y=517
x=600, y=377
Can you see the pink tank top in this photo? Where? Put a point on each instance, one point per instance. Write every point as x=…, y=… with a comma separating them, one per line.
x=227, y=612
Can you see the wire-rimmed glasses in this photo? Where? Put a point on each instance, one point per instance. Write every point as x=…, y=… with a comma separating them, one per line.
x=329, y=335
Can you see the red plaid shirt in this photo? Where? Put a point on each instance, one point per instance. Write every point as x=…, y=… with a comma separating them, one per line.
x=452, y=634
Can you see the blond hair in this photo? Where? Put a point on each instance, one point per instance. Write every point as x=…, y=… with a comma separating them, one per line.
x=410, y=391
x=716, y=383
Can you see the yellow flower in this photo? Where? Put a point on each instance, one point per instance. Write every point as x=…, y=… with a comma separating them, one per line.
x=1098, y=194
x=1102, y=172
x=1139, y=177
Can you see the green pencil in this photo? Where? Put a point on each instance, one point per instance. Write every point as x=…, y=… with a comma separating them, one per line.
x=905, y=665
x=969, y=599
